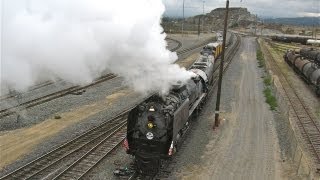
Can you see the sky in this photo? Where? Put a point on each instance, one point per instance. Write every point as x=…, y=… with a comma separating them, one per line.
x=263, y=8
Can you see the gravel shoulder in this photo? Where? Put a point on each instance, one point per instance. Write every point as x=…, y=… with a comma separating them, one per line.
x=246, y=146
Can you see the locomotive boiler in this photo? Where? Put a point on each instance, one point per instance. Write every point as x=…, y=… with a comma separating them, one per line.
x=156, y=126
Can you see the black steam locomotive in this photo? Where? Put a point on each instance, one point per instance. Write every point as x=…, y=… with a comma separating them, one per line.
x=155, y=126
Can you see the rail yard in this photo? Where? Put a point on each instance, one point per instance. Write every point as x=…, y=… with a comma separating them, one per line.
x=62, y=153
x=88, y=92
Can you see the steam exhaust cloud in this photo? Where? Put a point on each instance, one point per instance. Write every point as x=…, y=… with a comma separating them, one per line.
x=76, y=40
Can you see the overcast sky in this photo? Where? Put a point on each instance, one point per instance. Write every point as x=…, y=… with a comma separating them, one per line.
x=265, y=8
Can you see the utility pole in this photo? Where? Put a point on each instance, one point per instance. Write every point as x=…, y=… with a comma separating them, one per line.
x=1, y=35
x=256, y=25
x=199, y=27
x=217, y=120
x=262, y=27
x=182, y=16
x=203, y=16
x=314, y=30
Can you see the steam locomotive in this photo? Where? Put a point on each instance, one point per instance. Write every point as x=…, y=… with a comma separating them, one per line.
x=306, y=63
x=156, y=126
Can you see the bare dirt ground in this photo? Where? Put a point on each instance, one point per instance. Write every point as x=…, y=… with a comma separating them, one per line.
x=246, y=146
x=189, y=40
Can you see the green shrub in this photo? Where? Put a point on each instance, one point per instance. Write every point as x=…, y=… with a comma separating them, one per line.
x=260, y=58
x=267, y=80
x=270, y=99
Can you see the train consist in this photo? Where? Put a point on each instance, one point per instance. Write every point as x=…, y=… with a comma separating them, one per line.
x=306, y=62
x=291, y=39
x=156, y=126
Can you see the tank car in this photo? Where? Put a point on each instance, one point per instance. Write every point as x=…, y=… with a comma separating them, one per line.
x=312, y=54
x=156, y=126
x=307, y=69
x=290, y=39
x=291, y=57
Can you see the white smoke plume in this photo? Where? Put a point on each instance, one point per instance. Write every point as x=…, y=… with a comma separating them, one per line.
x=76, y=40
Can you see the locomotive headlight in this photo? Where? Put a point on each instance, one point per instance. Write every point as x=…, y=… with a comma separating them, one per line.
x=150, y=125
x=151, y=109
x=149, y=135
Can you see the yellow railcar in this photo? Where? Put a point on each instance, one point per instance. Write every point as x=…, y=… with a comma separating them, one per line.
x=214, y=49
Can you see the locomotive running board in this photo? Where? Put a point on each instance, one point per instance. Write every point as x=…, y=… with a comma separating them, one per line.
x=195, y=104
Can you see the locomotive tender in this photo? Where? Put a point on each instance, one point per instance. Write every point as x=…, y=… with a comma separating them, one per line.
x=155, y=126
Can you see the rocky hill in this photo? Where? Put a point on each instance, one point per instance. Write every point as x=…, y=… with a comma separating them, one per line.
x=214, y=20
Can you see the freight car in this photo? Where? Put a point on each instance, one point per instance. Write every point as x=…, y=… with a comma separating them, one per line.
x=290, y=39
x=214, y=49
x=315, y=42
x=156, y=126
x=308, y=70
x=312, y=54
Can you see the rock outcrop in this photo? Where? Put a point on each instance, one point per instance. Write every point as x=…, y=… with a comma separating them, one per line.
x=215, y=19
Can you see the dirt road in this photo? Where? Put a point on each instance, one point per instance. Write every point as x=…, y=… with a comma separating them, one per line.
x=246, y=145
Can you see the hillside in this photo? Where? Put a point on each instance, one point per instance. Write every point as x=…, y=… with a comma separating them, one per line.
x=237, y=17
x=211, y=21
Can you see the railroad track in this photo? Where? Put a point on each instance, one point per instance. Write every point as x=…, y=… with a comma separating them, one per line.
x=230, y=53
x=183, y=51
x=197, y=47
x=28, y=104
x=75, y=158
x=307, y=123
x=40, y=100
x=47, y=83
x=179, y=44
x=38, y=86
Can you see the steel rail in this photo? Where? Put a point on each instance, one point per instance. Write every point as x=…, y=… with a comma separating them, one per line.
x=52, y=96
x=179, y=44
x=41, y=163
x=91, y=158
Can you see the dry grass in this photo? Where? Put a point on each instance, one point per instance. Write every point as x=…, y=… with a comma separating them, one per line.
x=285, y=45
